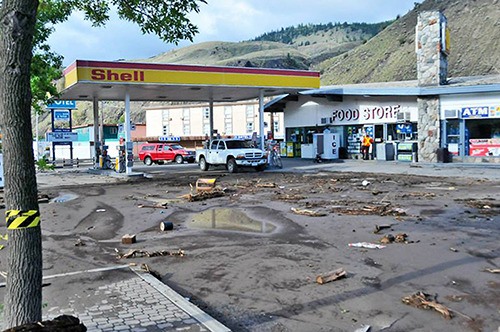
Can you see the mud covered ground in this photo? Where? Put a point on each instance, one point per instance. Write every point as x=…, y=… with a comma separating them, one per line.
x=251, y=262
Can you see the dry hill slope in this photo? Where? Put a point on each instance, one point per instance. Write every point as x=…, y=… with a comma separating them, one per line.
x=390, y=56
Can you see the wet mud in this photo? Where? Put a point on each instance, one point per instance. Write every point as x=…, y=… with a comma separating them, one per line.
x=251, y=261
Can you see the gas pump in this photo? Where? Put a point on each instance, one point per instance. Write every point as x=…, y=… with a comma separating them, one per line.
x=130, y=154
x=120, y=160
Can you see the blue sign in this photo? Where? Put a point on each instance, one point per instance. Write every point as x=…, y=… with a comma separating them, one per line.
x=475, y=112
x=61, y=137
x=169, y=138
x=62, y=104
x=61, y=115
x=404, y=128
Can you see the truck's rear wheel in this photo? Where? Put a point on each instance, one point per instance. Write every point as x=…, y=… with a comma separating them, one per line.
x=232, y=167
x=203, y=164
x=148, y=161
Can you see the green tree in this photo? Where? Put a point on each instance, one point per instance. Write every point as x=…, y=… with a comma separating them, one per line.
x=26, y=68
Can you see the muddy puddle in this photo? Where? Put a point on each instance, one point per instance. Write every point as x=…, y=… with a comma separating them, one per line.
x=64, y=197
x=226, y=219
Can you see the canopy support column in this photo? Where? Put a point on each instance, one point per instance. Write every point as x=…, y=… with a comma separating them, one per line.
x=211, y=116
x=261, y=119
x=128, y=140
x=97, y=149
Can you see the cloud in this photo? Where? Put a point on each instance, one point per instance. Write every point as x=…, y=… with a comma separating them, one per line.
x=221, y=20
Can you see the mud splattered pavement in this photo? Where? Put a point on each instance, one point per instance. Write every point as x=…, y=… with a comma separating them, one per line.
x=252, y=255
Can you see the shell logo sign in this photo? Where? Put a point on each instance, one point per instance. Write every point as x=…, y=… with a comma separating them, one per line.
x=111, y=75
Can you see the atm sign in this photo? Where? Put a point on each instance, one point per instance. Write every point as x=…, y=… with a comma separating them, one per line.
x=475, y=112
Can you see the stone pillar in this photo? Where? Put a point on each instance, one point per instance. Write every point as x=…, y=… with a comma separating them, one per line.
x=428, y=128
x=432, y=70
x=432, y=49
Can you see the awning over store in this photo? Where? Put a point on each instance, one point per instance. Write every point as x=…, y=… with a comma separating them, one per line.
x=86, y=80
x=279, y=102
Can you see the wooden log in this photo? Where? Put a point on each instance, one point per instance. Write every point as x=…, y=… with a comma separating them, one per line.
x=128, y=239
x=205, y=184
x=378, y=228
x=309, y=213
x=331, y=276
x=161, y=206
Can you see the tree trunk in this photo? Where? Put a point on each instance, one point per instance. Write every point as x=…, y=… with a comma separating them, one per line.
x=23, y=300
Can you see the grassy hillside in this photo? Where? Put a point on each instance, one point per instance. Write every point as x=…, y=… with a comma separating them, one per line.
x=293, y=48
x=390, y=56
x=344, y=53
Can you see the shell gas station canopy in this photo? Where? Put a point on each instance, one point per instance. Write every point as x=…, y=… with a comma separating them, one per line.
x=132, y=81
x=87, y=80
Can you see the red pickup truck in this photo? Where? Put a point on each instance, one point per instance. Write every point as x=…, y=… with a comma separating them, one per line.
x=158, y=153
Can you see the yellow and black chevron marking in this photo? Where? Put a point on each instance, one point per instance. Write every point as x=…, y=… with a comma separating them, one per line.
x=22, y=219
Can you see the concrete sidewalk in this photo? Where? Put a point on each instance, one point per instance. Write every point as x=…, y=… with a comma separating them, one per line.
x=455, y=170
x=122, y=299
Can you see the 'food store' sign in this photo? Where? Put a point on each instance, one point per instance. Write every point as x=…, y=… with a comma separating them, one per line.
x=375, y=114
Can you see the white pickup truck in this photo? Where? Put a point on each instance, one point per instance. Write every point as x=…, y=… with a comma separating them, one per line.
x=232, y=153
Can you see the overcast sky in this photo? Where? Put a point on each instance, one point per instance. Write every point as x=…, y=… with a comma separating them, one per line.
x=219, y=20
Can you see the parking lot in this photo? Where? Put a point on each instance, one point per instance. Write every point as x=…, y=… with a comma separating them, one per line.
x=252, y=254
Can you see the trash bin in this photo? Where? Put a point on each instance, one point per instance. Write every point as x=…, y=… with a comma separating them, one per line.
x=443, y=155
x=343, y=153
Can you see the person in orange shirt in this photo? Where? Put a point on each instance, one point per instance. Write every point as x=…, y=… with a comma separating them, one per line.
x=366, y=142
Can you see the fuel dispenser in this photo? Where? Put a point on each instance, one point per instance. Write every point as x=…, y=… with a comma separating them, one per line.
x=130, y=154
x=120, y=160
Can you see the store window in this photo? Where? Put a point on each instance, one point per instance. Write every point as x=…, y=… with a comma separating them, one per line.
x=250, y=112
x=206, y=113
x=249, y=127
x=276, y=126
x=483, y=137
x=186, y=129
x=206, y=129
x=228, y=120
x=165, y=116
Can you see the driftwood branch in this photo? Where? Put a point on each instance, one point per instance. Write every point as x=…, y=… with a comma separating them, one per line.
x=331, y=276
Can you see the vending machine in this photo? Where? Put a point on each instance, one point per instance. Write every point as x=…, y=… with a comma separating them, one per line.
x=327, y=145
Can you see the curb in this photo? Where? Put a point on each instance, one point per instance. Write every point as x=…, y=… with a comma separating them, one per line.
x=210, y=323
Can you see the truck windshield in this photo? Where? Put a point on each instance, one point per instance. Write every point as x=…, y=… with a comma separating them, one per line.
x=239, y=144
x=176, y=147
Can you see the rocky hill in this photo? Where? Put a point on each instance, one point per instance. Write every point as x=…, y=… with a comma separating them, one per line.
x=297, y=47
x=345, y=53
x=390, y=56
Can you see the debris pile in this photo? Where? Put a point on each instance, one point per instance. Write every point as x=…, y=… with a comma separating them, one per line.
x=156, y=206
x=202, y=195
x=309, y=213
x=425, y=301
x=375, y=209
x=290, y=197
x=399, y=238
x=135, y=253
